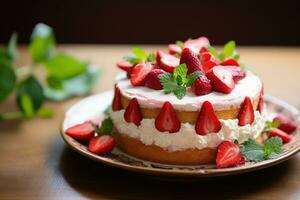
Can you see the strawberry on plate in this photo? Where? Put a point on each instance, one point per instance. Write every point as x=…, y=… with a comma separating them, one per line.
x=174, y=49
x=116, y=104
x=229, y=62
x=152, y=79
x=246, y=114
x=133, y=112
x=102, y=144
x=275, y=132
x=82, y=132
x=166, y=61
x=167, y=119
x=221, y=79
x=191, y=60
x=229, y=155
x=125, y=65
x=139, y=73
x=201, y=86
x=286, y=124
x=197, y=44
x=207, y=121
x=236, y=72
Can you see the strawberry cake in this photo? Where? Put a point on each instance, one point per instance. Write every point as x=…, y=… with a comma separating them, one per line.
x=177, y=107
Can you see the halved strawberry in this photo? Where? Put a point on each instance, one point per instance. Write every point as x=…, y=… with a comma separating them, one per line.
x=139, y=73
x=286, y=124
x=236, y=72
x=167, y=119
x=260, y=105
x=133, y=112
x=229, y=62
x=152, y=79
x=201, y=86
x=205, y=56
x=102, y=144
x=125, y=65
x=191, y=60
x=196, y=44
x=166, y=61
x=246, y=113
x=275, y=132
x=82, y=132
x=173, y=49
x=229, y=155
x=221, y=79
x=209, y=64
x=116, y=104
x=203, y=49
x=207, y=121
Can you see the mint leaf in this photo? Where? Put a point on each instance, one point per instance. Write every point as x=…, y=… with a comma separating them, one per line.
x=151, y=57
x=131, y=59
x=64, y=66
x=106, y=127
x=180, y=44
x=214, y=52
x=168, y=83
x=253, y=151
x=29, y=87
x=180, y=91
x=274, y=124
x=12, y=47
x=192, y=77
x=7, y=80
x=26, y=105
x=79, y=85
x=272, y=147
x=140, y=54
x=42, y=43
x=228, y=49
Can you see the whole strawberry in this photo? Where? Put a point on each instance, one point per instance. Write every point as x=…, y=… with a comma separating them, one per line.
x=190, y=58
x=152, y=79
x=202, y=86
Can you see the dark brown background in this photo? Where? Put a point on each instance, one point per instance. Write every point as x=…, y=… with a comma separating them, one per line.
x=155, y=21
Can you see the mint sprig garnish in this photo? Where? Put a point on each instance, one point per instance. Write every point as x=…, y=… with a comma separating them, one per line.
x=178, y=81
x=106, y=127
x=254, y=151
x=228, y=51
x=180, y=44
x=140, y=56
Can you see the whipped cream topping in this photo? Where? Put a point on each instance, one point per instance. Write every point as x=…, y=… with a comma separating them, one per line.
x=149, y=98
x=186, y=137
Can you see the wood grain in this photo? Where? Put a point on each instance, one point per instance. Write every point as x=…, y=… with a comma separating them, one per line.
x=36, y=164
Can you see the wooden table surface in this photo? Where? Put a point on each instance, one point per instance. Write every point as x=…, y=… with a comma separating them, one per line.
x=35, y=163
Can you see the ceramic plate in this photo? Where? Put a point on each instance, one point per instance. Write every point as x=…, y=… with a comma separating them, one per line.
x=92, y=107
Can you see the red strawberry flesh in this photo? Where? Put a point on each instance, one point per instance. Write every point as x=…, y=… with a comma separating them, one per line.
x=228, y=155
x=236, y=72
x=152, y=79
x=173, y=49
x=125, y=65
x=229, y=62
x=221, y=79
x=275, y=132
x=139, y=73
x=82, y=132
x=286, y=124
x=191, y=60
x=246, y=113
x=133, y=113
x=202, y=86
x=116, y=104
x=102, y=144
x=207, y=121
x=167, y=121
x=166, y=61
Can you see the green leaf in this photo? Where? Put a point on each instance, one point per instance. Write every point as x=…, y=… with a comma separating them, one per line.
x=272, y=147
x=45, y=112
x=77, y=86
x=12, y=47
x=26, y=105
x=107, y=111
x=180, y=71
x=140, y=54
x=180, y=43
x=106, y=127
x=214, y=52
x=31, y=87
x=228, y=49
x=272, y=124
x=63, y=66
x=7, y=80
x=54, y=82
x=131, y=59
x=253, y=151
x=151, y=57
x=180, y=91
x=192, y=77
x=42, y=43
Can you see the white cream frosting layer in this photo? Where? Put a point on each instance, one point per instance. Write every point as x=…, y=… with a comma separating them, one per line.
x=148, y=98
x=186, y=137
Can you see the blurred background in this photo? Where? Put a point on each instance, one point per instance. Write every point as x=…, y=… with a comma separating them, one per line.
x=155, y=21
